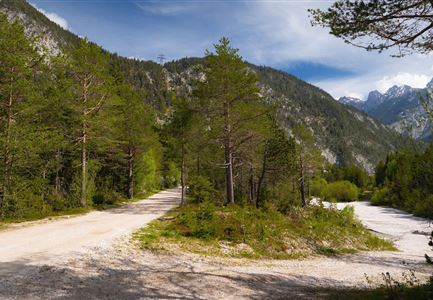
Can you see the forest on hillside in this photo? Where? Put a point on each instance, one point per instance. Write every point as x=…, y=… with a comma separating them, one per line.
x=75, y=133
x=85, y=128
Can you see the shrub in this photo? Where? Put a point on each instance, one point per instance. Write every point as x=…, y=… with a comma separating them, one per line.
x=318, y=187
x=198, y=221
x=201, y=189
x=25, y=205
x=263, y=232
x=380, y=196
x=147, y=174
x=341, y=191
x=57, y=201
x=106, y=198
x=424, y=208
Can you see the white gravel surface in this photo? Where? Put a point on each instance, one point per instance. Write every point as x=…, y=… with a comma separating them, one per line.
x=54, y=240
x=409, y=233
x=91, y=257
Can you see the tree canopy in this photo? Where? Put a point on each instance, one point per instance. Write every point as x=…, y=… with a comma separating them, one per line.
x=406, y=25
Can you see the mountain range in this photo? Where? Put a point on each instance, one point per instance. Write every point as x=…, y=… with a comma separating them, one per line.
x=400, y=108
x=344, y=134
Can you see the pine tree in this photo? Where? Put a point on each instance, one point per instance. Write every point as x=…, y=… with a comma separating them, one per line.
x=309, y=160
x=132, y=126
x=91, y=85
x=230, y=101
x=18, y=68
x=178, y=132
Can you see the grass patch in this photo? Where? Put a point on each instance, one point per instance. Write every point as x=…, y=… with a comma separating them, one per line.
x=39, y=215
x=408, y=287
x=49, y=214
x=237, y=231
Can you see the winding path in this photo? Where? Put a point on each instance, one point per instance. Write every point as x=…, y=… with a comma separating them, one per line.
x=57, y=239
x=70, y=259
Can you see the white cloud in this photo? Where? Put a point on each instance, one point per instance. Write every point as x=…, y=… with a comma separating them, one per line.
x=53, y=17
x=413, y=80
x=165, y=8
x=280, y=33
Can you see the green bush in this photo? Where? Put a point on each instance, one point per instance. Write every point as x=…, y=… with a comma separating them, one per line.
x=198, y=221
x=261, y=232
x=106, y=198
x=57, y=201
x=147, y=174
x=26, y=205
x=318, y=187
x=380, y=196
x=341, y=191
x=201, y=189
x=424, y=208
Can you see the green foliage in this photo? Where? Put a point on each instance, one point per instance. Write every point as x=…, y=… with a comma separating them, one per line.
x=381, y=196
x=352, y=173
x=404, y=181
x=341, y=191
x=71, y=131
x=199, y=221
x=110, y=197
x=371, y=24
x=202, y=190
x=251, y=232
x=230, y=108
x=148, y=174
x=318, y=187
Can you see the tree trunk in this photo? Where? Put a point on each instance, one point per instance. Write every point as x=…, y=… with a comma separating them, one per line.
x=229, y=175
x=130, y=173
x=6, y=158
x=251, y=187
x=58, y=181
x=302, y=180
x=83, y=200
x=182, y=174
x=260, y=182
x=228, y=155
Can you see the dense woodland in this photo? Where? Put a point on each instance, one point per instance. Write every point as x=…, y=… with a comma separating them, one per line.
x=405, y=181
x=77, y=133
x=73, y=132
x=89, y=128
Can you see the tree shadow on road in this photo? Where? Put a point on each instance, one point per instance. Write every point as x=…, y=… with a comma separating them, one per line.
x=129, y=280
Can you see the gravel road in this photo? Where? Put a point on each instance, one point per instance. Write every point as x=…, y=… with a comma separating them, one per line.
x=91, y=257
x=54, y=240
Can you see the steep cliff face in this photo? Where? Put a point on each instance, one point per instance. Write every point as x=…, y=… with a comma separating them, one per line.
x=51, y=38
x=345, y=135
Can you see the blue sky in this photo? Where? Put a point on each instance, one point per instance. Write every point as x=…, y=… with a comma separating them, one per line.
x=276, y=33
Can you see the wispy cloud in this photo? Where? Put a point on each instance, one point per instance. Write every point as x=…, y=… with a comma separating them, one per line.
x=280, y=34
x=267, y=32
x=165, y=8
x=54, y=17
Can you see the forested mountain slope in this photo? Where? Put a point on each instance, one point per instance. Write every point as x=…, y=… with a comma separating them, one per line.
x=344, y=135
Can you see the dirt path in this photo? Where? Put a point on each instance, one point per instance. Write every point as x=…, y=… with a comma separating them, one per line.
x=126, y=272
x=62, y=238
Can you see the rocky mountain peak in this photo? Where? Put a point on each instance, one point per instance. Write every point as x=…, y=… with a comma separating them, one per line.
x=430, y=84
x=397, y=91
